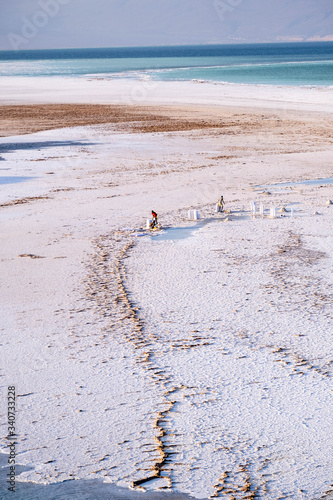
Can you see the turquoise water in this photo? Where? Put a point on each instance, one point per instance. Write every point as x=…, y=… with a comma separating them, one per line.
x=306, y=64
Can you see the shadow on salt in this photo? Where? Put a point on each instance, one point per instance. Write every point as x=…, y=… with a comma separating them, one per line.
x=176, y=233
x=182, y=233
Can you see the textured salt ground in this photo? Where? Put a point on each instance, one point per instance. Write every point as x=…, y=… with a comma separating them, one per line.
x=202, y=401
x=241, y=315
x=82, y=335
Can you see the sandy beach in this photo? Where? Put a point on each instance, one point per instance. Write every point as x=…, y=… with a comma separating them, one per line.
x=194, y=362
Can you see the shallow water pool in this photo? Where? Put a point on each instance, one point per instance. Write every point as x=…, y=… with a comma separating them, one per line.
x=13, y=180
x=308, y=182
x=82, y=489
x=176, y=233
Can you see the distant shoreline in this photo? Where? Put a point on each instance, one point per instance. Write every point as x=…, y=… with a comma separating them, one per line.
x=183, y=45
x=296, y=64
x=98, y=91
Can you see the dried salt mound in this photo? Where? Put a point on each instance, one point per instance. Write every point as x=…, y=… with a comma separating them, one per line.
x=329, y=202
x=283, y=209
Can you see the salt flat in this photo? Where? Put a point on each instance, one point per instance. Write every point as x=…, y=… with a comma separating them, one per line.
x=200, y=363
x=101, y=90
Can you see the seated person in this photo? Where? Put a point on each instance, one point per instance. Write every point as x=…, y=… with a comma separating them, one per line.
x=154, y=221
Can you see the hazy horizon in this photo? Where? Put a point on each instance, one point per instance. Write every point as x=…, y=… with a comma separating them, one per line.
x=60, y=24
x=174, y=45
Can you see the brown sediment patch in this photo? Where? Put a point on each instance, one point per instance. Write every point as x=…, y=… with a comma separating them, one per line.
x=191, y=342
x=236, y=483
x=21, y=201
x=25, y=119
x=33, y=118
x=297, y=364
x=223, y=157
x=58, y=190
x=31, y=256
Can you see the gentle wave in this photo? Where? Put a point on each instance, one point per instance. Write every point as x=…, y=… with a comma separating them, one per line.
x=293, y=64
x=219, y=66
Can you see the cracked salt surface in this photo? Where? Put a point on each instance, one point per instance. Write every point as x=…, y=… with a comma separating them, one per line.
x=241, y=331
